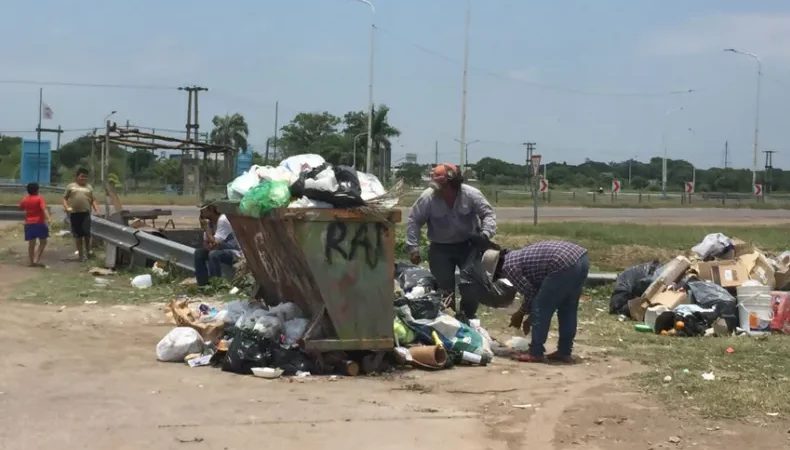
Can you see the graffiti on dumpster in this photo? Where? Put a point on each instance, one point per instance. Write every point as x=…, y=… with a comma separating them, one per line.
x=350, y=240
x=271, y=269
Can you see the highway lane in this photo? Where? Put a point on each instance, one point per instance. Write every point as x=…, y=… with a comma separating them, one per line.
x=658, y=216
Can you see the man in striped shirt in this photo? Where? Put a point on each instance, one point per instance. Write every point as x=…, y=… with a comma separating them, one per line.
x=550, y=276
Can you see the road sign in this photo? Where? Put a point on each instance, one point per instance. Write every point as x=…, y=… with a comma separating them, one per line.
x=689, y=187
x=615, y=186
x=544, y=185
x=758, y=189
x=535, y=165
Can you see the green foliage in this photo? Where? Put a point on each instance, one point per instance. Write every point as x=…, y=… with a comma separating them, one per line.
x=411, y=173
x=10, y=156
x=230, y=131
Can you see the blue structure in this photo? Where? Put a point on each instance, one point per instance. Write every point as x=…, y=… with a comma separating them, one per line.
x=244, y=161
x=36, y=165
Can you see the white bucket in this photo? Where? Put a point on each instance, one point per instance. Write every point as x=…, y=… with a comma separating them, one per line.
x=755, y=313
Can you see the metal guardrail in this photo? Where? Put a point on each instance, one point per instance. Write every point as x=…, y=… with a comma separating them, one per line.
x=12, y=213
x=142, y=243
x=20, y=187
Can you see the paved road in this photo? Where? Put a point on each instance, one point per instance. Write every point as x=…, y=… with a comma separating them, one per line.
x=566, y=214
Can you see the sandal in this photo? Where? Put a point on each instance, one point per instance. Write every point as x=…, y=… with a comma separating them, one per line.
x=527, y=357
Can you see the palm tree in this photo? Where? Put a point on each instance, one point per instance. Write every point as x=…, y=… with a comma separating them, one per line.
x=232, y=132
x=382, y=133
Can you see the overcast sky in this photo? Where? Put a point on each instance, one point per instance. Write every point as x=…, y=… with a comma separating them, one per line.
x=582, y=79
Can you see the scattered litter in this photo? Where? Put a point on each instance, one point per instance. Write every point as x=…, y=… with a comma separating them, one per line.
x=268, y=372
x=196, y=440
x=667, y=379
x=234, y=291
x=63, y=233
x=708, y=376
x=730, y=350
x=142, y=281
x=200, y=361
x=100, y=272
x=527, y=406
x=333, y=378
x=685, y=371
x=772, y=414
x=301, y=374
x=674, y=440
x=91, y=302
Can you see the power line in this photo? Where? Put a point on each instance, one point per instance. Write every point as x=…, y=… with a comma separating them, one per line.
x=567, y=90
x=90, y=85
x=65, y=130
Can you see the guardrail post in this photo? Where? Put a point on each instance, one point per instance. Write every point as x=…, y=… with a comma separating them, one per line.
x=548, y=194
x=640, y=198
x=573, y=195
x=496, y=197
x=593, y=197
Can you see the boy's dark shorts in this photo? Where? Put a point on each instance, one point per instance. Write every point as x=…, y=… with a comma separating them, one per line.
x=80, y=224
x=35, y=231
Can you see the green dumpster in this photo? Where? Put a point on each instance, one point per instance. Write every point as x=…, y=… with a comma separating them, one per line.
x=336, y=264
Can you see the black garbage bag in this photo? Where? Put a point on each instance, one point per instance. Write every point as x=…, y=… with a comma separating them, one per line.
x=291, y=360
x=475, y=284
x=426, y=307
x=410, y=276
x=631, y=283
x=695, y=323
x=712, y=296
x=347, y=194
x=247, y=350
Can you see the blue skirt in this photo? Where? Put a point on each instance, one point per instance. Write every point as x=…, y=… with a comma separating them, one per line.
x=36, y=231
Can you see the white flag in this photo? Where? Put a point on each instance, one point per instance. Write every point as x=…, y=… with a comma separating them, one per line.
x=46, y=112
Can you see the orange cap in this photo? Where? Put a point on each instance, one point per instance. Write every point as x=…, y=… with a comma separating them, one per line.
x=443, y=172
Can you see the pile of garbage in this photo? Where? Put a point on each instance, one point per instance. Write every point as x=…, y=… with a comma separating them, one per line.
x=242, y=338
x=307, y=181
x=426, y=336
x=725, y=286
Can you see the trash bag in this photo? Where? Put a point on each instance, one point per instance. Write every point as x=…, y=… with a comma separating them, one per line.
x=286, y=311
x=426, y=307
x=265, y=197
x=712, y=296
x=246, y=351
x=475, y=283
x=295, y=330
x=631, y=283
x=410, y=276
x=322, y=184
x=179, y=343
x=270, y=327
x=299, y=163
x=694, y=322
x=291, y=360
x=712, y=245
x=243, y=184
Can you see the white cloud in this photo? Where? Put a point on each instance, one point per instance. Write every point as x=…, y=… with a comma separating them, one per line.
x=529, y=74
x=767, y=35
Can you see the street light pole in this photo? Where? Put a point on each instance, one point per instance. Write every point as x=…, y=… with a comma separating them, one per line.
x=369, y=162
x=466, y=151
x=355, y=147
x=105, y=164
x=463, y=94
x=664, y=144
x=693, y=167
x=757, y=109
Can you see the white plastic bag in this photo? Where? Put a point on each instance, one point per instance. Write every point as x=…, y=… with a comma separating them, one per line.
x=244, y=182
x=324, y=181
x=298, y=163
x=268, y=173
x=286, y=311
x=371, y=186
x=305, y=202
x=295, y=329
x=270, y=327
x=713, y=244
x=142, y=281
x=179, y=343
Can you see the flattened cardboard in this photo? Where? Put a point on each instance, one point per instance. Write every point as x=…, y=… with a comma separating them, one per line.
x=759, y=269
x=670, y=299
x=727, y=273
x=739, y=248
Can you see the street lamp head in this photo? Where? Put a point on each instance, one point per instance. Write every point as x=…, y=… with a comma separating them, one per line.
x=730, y=50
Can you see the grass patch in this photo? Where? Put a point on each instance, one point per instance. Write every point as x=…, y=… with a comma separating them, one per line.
x=750, y=383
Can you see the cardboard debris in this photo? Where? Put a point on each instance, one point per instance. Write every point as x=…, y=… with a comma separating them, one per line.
x=759, y=268
x=739, y=248
x=725, y=273
x=181, y=314
x=670, y=299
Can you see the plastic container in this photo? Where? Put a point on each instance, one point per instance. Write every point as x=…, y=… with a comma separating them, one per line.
x=755, y=309
x=652, y=314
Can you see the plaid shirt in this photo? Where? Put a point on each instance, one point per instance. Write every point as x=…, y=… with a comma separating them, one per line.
x=526, y=268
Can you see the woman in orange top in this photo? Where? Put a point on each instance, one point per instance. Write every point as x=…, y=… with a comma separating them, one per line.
x=37, y=219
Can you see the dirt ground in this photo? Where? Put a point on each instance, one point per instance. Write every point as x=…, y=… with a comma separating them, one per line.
x=85, y=377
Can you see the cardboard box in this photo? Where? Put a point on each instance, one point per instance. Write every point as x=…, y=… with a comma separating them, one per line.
x=759, y=269
x=739, y=248
x=670, y=299
x=727, y=273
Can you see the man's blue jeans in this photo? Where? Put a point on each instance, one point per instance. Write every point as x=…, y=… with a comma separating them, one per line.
x=559, y=292
x=208, y=264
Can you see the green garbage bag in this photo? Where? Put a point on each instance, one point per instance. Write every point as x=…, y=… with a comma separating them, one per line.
x=265, y=197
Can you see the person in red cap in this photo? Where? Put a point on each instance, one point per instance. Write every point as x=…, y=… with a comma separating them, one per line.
x=459, y=218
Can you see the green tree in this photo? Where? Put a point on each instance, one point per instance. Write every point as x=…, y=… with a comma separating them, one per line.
x=306, y=133
x=10, y=156
x=411, y=173
x=638, y=182
x=230, y=131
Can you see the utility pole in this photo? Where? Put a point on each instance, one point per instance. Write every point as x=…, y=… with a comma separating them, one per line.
x=105, y=167
x=276, y=130
x=532, y=181
x=191, y=125
x=768, y=176
x=436, y=153
x=726, y=153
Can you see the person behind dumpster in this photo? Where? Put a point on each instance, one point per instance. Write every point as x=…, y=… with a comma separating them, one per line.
x=37, y=220
x=78, y=202
x=550, y=276
x=459, y=218
x=219, y=245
